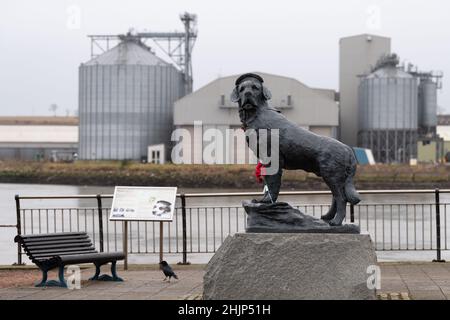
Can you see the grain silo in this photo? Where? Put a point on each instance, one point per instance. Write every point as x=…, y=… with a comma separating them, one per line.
x=126, y=98
x=427, y=105
x=388, y=112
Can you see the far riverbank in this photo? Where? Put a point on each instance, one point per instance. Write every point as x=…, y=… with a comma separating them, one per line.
x=111, y=173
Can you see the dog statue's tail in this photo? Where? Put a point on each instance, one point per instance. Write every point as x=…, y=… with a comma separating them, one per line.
x=350, y=191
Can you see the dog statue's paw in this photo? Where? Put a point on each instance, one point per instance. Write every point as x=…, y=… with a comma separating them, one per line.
x=335, y=222
x=265, y=199
x=326, y=217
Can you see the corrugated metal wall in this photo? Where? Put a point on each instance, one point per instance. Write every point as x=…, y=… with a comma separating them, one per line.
x=125, y=108
x=388, y=103
x=388, y=115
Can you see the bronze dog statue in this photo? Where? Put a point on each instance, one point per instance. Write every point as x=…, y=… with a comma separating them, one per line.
x=328, y=158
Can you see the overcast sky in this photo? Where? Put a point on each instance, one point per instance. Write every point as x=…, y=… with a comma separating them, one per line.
x=43, y=42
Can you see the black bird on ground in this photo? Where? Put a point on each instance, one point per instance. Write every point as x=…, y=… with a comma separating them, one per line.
x=167, y=270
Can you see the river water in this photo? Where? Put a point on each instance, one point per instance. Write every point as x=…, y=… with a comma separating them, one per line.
x=8, y=249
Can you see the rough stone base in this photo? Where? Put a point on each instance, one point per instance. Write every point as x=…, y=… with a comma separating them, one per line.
x=290, y=266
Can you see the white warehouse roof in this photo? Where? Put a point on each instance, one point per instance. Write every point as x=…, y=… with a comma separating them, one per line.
x=39, y=134
x=304, y=105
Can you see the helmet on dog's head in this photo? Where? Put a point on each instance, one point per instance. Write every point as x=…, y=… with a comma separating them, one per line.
x=248, y=75
x=266, y=95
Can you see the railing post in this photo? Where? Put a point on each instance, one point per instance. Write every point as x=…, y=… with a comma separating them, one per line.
x=438, y=228
x=161, y=241
x=183, y=215
x=125, y=244
x=352, y=213
x=100, y=220
x=19, y=229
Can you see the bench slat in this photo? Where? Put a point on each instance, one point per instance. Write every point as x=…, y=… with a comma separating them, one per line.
x=57, y=245
x=55, y=251
x=55, y=234
x=34, y=240
x=48, y=256
x=43, y=243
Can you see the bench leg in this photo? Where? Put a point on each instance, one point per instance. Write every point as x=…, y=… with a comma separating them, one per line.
x=53, y=283
x=114, y=272
x=62, y=282
x=106, y=277
x=44, y=279
x=97, y=272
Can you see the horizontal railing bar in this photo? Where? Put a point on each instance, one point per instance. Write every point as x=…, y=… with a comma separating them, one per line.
x=240, y=206
x=81, y=196
x=393, y=204
x=407, y=191
x=62, y=211
x=42, y=209
x=256, y=193
x=8, y=225
x=61, y=208
x=204, y=251
x=324, y=192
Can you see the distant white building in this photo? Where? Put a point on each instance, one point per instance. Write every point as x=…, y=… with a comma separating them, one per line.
x=443, y=130
x=210, y=108
x=35, y=138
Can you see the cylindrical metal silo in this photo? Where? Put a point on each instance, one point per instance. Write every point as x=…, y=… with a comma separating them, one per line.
x=427, y=104
x=126, y=98
x=388, y=113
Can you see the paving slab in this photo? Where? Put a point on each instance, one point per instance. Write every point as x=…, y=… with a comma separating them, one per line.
x=399, y=281
x=427, y=295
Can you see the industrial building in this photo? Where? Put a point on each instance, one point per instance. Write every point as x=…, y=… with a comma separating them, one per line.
x=397, y=110
x=385, y=106
x=38, y=138
x=126, y=100
x=211, y=108
x=388, y=112
x=127, y=92
x=443, y=131
x=357, y=56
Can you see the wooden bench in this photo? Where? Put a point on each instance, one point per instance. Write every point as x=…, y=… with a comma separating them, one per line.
x=56, y=250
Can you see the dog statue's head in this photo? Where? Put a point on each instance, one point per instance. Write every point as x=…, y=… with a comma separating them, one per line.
x=249, y=92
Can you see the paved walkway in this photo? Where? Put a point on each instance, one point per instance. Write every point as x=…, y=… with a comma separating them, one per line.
x=138, y=284
x=421, y=281
x=398, y=281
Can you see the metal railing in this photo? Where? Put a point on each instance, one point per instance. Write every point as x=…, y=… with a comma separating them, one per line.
x=202, y=229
